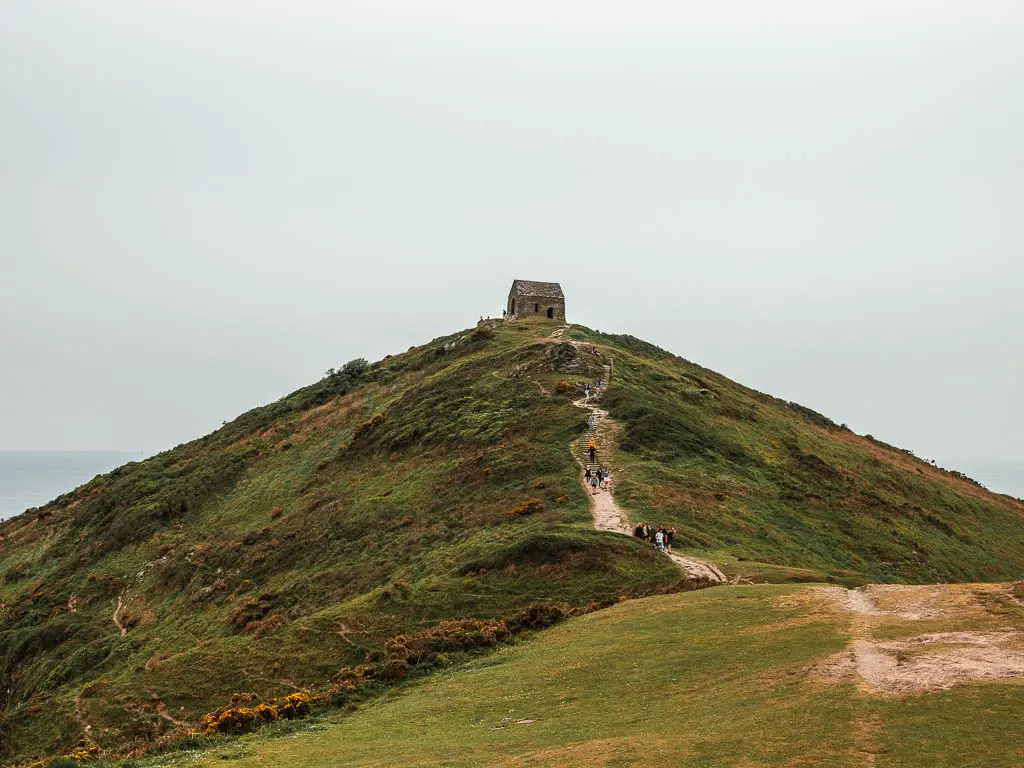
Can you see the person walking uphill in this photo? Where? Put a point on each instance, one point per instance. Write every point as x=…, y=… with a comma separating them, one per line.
x=592, y=447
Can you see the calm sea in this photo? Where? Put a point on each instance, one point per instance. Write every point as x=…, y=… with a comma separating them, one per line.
x=999, y=476
x=32, y=478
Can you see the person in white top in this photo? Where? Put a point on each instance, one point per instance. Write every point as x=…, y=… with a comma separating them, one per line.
x=659, y=540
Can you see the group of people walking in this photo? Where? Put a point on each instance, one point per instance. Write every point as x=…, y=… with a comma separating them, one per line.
x=661, y=537
x=597, y=478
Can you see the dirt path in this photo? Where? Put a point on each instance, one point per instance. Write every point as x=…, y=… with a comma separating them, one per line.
x=162, y=711
x=80, y=716
x=117, y=621
x=608, y=515
x=930, y=661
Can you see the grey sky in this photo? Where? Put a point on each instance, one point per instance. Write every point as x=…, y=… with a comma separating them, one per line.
x=204, y=204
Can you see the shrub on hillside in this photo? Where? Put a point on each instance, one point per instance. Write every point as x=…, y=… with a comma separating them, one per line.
x=293, y=705
x=84, y=752
x=261, y=627
x=483, y=333
x=813, y=416
x=528, y=507
x=251, y=609
x=365, y=427
x=235, y=719
x=537, y=616
x=15, y=572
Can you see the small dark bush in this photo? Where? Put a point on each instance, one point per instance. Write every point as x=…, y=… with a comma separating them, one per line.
x=15, y=572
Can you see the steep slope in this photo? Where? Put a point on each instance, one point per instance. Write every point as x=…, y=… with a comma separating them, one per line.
x=747, y=475
x=433, y=485
x=296, y=539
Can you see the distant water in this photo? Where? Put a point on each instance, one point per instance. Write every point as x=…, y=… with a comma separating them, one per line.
x=998, y=476
x=32, y=478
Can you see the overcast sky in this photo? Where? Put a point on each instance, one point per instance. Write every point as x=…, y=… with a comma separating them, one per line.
x=204, y=204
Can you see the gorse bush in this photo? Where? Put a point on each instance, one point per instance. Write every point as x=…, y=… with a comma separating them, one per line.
x=528, y=507
x=236, y=719
x=401, y=655
x=365, y=427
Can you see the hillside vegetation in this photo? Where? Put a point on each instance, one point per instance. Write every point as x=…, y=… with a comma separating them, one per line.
x=433, y=485
x=732, y=676
x=747, y=474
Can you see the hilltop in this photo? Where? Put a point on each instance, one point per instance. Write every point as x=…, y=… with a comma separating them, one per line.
x=438, y=485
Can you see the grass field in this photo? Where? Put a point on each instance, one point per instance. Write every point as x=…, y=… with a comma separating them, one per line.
x=721, y=677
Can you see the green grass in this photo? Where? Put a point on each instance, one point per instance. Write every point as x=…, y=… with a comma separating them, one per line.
x=714, y=678
x=739, y=472
x=288, y=513
x=348, y=528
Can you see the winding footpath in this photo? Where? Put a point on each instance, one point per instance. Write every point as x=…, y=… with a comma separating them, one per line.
x=608, y=515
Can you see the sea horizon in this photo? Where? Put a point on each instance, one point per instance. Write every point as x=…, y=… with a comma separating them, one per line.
x=30, y=479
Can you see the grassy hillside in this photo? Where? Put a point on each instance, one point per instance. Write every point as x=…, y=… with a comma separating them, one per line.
x=730, y=676
x=297, y=538
x=437, y=484
x=754, y=477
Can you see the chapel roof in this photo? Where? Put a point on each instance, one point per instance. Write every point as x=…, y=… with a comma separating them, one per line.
x=534, y=288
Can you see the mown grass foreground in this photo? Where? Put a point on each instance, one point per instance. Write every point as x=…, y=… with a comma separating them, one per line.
x=722, y=677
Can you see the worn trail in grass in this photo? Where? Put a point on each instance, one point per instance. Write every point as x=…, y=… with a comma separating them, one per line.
x=729, y=676
x=607, y=514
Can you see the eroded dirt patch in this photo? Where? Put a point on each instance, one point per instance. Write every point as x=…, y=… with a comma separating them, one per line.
x=930, y=661
x=933, y=663
x=912, y=603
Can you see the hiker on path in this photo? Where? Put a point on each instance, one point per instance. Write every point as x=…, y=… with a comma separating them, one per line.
x=647, y=531
x=659, y=540
x=670, y=535
x=593, y=483
x=592, y=448
x=586, y=392
x=639, y=531
x=593, y=420
x=586, y=477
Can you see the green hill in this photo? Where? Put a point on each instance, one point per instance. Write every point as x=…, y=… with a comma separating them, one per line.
x=437, y=485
